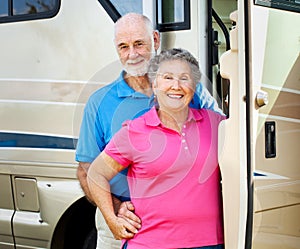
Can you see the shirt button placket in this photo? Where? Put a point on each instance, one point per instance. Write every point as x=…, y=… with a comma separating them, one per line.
x=183, y=140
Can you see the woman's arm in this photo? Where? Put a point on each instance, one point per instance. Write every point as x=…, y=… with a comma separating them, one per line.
x=101, y=171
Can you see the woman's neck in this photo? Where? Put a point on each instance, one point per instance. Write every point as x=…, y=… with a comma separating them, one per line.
x=173, y=120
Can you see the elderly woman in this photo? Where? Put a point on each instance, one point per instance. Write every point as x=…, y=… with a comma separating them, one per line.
x=173, y=173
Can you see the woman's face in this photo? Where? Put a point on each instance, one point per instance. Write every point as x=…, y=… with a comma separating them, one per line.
x=174, y=86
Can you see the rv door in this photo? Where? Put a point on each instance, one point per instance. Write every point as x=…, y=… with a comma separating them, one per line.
x=260, y=144
x=273, y=116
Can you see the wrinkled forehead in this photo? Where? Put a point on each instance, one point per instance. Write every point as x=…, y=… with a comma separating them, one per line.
x=174, y=66
x=128, y=33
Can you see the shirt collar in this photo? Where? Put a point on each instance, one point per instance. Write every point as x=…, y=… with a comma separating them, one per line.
x=152, y=119
x=126, y=91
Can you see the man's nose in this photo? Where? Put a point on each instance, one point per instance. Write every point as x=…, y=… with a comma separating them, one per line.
x=132, y=53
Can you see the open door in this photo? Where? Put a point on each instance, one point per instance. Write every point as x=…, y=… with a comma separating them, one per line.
x=274, y=122
x=260, y=141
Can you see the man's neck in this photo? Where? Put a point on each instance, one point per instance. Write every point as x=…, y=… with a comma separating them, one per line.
x=139, y=84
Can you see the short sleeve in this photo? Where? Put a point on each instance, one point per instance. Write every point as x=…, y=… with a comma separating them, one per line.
x=119, y=147
x=90, y=137
x=119, y=150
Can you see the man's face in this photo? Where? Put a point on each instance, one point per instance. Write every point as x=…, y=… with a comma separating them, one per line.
x=135, y=48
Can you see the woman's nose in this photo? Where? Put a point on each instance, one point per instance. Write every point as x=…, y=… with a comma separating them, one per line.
x=175, y=83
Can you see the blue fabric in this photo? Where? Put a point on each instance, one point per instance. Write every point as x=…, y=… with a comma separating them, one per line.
x=107, y=109
x=104, y=114
x=203, y=99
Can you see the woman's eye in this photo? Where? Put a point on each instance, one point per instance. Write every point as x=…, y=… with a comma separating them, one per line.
x=185, y=78
x=167, y=77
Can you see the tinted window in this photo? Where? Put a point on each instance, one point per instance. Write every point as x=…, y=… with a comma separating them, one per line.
x=126, y=6
x=4, y=8
x=292, y=5
x=170, y=11
x=170, y=14
x=118, y=8
x=20, y=10
x=32, y=6
x=173, y=15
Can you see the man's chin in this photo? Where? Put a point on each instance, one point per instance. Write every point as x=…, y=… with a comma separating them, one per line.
x=135, y=73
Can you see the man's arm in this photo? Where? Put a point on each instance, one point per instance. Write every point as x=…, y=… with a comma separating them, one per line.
x=82, y=171
x=124, y=210
x=101, y=171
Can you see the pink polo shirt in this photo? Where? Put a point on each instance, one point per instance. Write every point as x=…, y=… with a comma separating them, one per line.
x=173, y=178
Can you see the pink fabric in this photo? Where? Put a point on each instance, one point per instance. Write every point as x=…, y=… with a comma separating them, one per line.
x=174, y=180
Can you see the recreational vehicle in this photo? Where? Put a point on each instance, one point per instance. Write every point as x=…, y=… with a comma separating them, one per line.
x=55, y=53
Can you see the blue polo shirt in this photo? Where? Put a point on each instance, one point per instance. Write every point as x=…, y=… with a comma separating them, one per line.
x=106, y=110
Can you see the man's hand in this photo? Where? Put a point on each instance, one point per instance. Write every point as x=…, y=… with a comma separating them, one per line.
x=126, y=211
x=121, y=228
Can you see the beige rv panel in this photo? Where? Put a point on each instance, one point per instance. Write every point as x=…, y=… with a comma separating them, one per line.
x=232, y=142
x=51, y=68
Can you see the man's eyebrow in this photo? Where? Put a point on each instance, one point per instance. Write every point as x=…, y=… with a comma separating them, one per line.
x=141, y=41
x=121, y=44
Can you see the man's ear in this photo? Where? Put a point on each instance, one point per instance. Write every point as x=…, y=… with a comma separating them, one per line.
x=154, y=86
x=156, y=39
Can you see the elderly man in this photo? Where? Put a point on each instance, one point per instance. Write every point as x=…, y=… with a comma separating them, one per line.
x=127, y=97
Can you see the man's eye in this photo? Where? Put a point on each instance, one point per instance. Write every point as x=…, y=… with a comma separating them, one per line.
x=123, y=47
x=139, y=44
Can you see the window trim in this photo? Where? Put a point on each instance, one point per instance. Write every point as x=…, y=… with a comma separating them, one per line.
x=110, y=9
x=277, y=4
x=28, y=17
x=186, y=24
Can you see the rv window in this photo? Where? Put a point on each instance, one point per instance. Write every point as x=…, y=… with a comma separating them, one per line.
x=21, y=7
x=126, y=6
x=118, y=8
x=20, y=10
x=4, y=9
x=173, y=15
x=292, y=5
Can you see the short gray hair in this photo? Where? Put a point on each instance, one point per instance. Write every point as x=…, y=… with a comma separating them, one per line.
x=174, y=54
x=132, y=18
